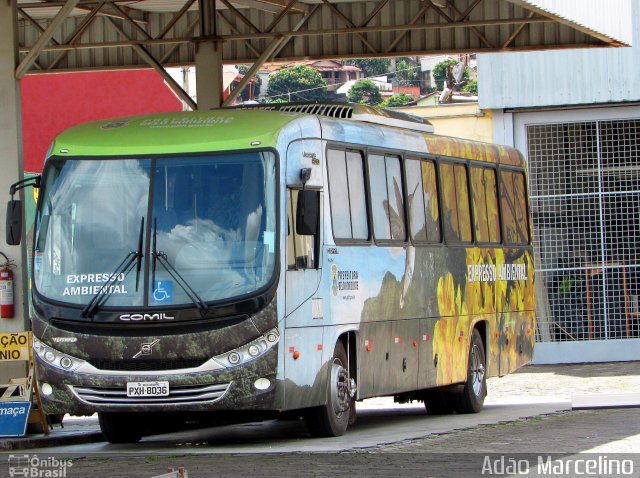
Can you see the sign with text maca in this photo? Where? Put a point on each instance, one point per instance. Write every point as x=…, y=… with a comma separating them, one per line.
x=15, y=346
x=13, y=418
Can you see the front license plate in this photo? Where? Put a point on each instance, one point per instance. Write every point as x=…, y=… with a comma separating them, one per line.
x=147, y=389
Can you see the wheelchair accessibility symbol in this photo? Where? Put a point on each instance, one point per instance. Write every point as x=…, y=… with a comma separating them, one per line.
x=163, y=291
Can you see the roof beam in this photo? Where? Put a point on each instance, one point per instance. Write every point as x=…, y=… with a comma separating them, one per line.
x=176, y=18
x=296, y=28
x=444, y=15
x=281, y=15
x=252, y=71
x=77, y=34
x=271, y=6
x=47, y=35
x=321, y=32
x=240, y=16
x=350, y=24
x=187, y=32
x=130, y=21
x=233, y=28
x=151, y=61
x=413, y=21
x=517, y=32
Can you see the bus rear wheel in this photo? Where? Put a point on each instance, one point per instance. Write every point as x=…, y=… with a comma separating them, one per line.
x=332, y=419
x=471, y=399
x=120, y=427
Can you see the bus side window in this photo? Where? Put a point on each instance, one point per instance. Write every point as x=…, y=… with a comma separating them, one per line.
x=513, y=203
x=422, y=200
x=485, y=204
x=415, y=201
x=455, y=199
x=301, y=249
x=387, y=198
x=347, y=195
x=432, y=210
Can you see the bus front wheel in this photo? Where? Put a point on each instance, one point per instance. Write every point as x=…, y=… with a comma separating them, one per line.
x=332, y=419
x=120, y=427
x=471, y=399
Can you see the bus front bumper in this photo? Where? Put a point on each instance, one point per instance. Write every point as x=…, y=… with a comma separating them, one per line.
x=251, y=385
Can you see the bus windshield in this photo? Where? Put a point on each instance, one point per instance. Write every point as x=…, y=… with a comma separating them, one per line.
x=136, y=230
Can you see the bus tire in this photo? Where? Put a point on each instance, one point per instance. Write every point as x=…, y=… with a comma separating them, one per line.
x=471, y=399
x=120, y=427
x=332, y=418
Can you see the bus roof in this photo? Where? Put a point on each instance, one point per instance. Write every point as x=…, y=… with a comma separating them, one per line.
x=245, y=128
x=182, y=132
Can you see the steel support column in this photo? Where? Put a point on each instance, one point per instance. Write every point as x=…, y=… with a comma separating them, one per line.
x=208, y=59
x=12, y=170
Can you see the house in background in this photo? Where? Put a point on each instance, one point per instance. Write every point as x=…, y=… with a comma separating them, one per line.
x=575, y=115
x=333, y=72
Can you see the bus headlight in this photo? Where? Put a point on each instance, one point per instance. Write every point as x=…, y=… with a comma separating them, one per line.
x=55, y=358
x=250, y=351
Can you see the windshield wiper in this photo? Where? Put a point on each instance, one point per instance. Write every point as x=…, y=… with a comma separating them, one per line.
x=125, y=267
x=173, y=272
x=139, y=262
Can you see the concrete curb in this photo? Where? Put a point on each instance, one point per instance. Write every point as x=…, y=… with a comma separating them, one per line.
x=51, y=440
x=605, y=401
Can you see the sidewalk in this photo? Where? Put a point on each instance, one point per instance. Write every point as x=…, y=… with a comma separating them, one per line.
x=585, y=386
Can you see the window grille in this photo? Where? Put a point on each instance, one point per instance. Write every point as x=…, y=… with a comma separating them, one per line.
x=585, y=200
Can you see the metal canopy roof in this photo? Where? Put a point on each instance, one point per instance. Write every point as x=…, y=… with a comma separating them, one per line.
x=108, y=34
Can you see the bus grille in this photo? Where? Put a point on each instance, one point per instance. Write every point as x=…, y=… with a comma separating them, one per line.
x=177, y=395
x=147, y=365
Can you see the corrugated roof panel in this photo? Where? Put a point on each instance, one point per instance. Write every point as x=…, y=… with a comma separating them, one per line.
x=610, y=17
x=559, y=78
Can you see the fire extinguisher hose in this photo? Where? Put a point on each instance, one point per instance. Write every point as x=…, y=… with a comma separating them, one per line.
x=7, y=262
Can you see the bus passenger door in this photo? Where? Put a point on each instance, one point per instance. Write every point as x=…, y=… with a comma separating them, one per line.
x=303, y=261
x=305, y=376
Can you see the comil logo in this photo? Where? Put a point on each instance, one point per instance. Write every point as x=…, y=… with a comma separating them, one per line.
x=35, y=466
x=145, y=317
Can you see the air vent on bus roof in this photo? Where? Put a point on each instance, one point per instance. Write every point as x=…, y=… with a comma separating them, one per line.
x=352, y=111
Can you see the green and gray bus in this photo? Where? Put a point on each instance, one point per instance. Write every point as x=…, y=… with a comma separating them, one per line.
x=277, y=260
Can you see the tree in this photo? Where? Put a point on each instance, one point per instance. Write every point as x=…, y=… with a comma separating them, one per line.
x=298, y=83
x=471, y=87
x=371, y=66
x=406, y=72
x=397, y=100
x=365, y=92
x=441, y=69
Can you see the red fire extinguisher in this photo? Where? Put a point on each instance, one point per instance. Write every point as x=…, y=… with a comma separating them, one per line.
x=7, y=309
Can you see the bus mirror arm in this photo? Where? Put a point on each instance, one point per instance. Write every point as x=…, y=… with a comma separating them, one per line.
x=24, y=183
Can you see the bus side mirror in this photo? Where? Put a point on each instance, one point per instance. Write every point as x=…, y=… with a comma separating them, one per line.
x=308, y=213
x=14, y=222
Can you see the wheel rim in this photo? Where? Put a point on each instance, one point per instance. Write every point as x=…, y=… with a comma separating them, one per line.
x=339, y=388
x=477, y=370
